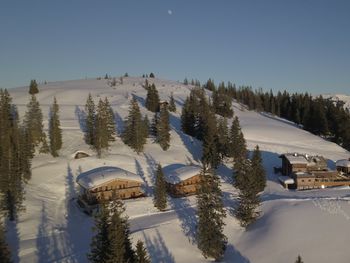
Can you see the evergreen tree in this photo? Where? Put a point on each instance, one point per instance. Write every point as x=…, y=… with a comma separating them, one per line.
x=163, y=128
x=152, y=99
x=110, y=120
x=147, y=126
x=134, y=133
x=151, y=75
x=210, y=155
x=238, y=147
x=90, y=121
x=44, y=146
x=210, y=237
x=33, y=87
x=5, y=255
x=154, y=125
x=160, y=195
x=55, y=132
x=223, y=140
x=172, y=106
x=100, y=247
x=141, y=253
x=33, y=121
x=299, y=260
x=258, y=171
x=222, y=103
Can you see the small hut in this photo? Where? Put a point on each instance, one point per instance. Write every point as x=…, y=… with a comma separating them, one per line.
x=343, y=166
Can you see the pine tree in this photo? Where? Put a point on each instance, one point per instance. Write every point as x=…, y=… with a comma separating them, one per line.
x=163, y=128
x=258, y=171
x=152, y=99
x=238, y=147
x=151, y=75
x=146, y=125
x=33, y=121
x=172, y=106
x=299, y=260
x=44, y=146
x=223, y=140
x=90, y=121
x=134, y=133
x=141, y=253
x=248, y=199
x=33, y=87
x=5, y=255
x=210, y=155
x=154, y=125
x=110, y=120
x=160, y=195
x=55, y=132
x=210, y=237
x=100, y=248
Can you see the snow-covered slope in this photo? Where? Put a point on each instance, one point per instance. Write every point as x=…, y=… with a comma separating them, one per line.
x=52, y=229
x=339, y=97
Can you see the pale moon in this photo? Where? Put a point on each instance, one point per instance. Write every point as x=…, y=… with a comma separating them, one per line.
x=170, y=12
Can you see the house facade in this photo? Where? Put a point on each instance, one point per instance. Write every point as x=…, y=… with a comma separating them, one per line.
x=343, y=166
x=183, y=181
x=102, y=184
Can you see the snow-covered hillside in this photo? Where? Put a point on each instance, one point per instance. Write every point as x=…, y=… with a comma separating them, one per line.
x=312, y=223
x=339, y=97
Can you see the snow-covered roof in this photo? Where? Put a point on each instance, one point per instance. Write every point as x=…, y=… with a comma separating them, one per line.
x=101, y=175
x=286, y=179
x=77, y=152
x=294, y=159
x=183, y=173
x=343, y=163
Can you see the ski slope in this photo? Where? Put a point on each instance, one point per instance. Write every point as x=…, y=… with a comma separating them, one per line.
x=314, y=224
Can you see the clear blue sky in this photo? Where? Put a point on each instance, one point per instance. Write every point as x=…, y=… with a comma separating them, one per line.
x=298, y=45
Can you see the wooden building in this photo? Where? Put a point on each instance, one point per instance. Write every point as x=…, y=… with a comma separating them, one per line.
x=343, y=166
x=183, y=181
x=308, y=172
x=102, y=183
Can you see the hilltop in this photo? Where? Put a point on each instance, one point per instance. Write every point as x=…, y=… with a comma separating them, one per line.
x=53, y=229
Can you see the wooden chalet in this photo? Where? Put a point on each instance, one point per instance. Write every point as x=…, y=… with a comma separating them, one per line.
x=101, y=184
x=308, y=172
x=343, y=166
x=183, y=181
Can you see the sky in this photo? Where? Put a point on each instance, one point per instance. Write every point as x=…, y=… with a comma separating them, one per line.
x=294, y=45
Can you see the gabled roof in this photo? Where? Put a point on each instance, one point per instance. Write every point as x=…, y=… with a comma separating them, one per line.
x=183, y=173
x=101, y=175
x=343, y=163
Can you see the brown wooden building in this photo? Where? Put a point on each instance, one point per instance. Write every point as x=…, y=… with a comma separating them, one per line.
x=102, y=183
x=343, y=166
x=183, y=181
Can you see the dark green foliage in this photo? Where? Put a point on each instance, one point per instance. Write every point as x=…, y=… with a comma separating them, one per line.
x=211, y=155
x=106, y=76
x=135, y=133
x=154, y=125
x=147, y=125
x=210, y=85
x=248, y=198
x=185, y=81
x=151, y=75
x=222, y=102
x=141, y=253
x=55, y=132
x=223, y=139
x=152, y=99
x=33, y=87
x=90, y=121
x=210, y=237
x=163, y=128
x=172, y=106
x=126, y=75
x=33, y=121
x=160, y=195
x=5, y=255
x=258, y=171
x=44, y=146
x=238, y=148
x=299, y=260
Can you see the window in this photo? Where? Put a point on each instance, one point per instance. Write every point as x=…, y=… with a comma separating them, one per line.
x=302, y=180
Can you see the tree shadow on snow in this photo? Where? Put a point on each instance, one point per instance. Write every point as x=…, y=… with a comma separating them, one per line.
x=152, y=167
x=187, y=216
x=12, y=236
x=233, y=255
x=157, y=249
x=81, y=115
x=139, y=171
x=192, y=145
x=119, y=123
x=140, y=100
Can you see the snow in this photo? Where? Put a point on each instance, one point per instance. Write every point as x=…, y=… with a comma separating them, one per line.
x=101, y=175
x=53, y=229
x=343, y=163
x=296, y=159
x=183, y=173
x=285, y=179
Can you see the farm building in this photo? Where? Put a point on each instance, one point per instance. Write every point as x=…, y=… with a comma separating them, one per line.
x=308, y=172
x=343, y=166
x=101, y=183
x=183, y=181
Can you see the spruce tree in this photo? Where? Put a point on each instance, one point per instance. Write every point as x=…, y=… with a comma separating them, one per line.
x=210, y=237
x=163, y=128
x=238, y=148
x=110, y=120
x=141, y=253
x=258, y=171
x=152, y=99
x=299, y=260
x=160, y=195
x=5, y=255
x=172, y=106
x=33, y=121
x=33, y=87
x=55, y=132
x=134, y=133
x=154, y=125
x=223, y=140
x=211, y=155
x=100, y=247
x=90, y=121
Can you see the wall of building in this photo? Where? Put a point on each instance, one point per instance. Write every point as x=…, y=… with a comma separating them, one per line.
x=186, y=187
